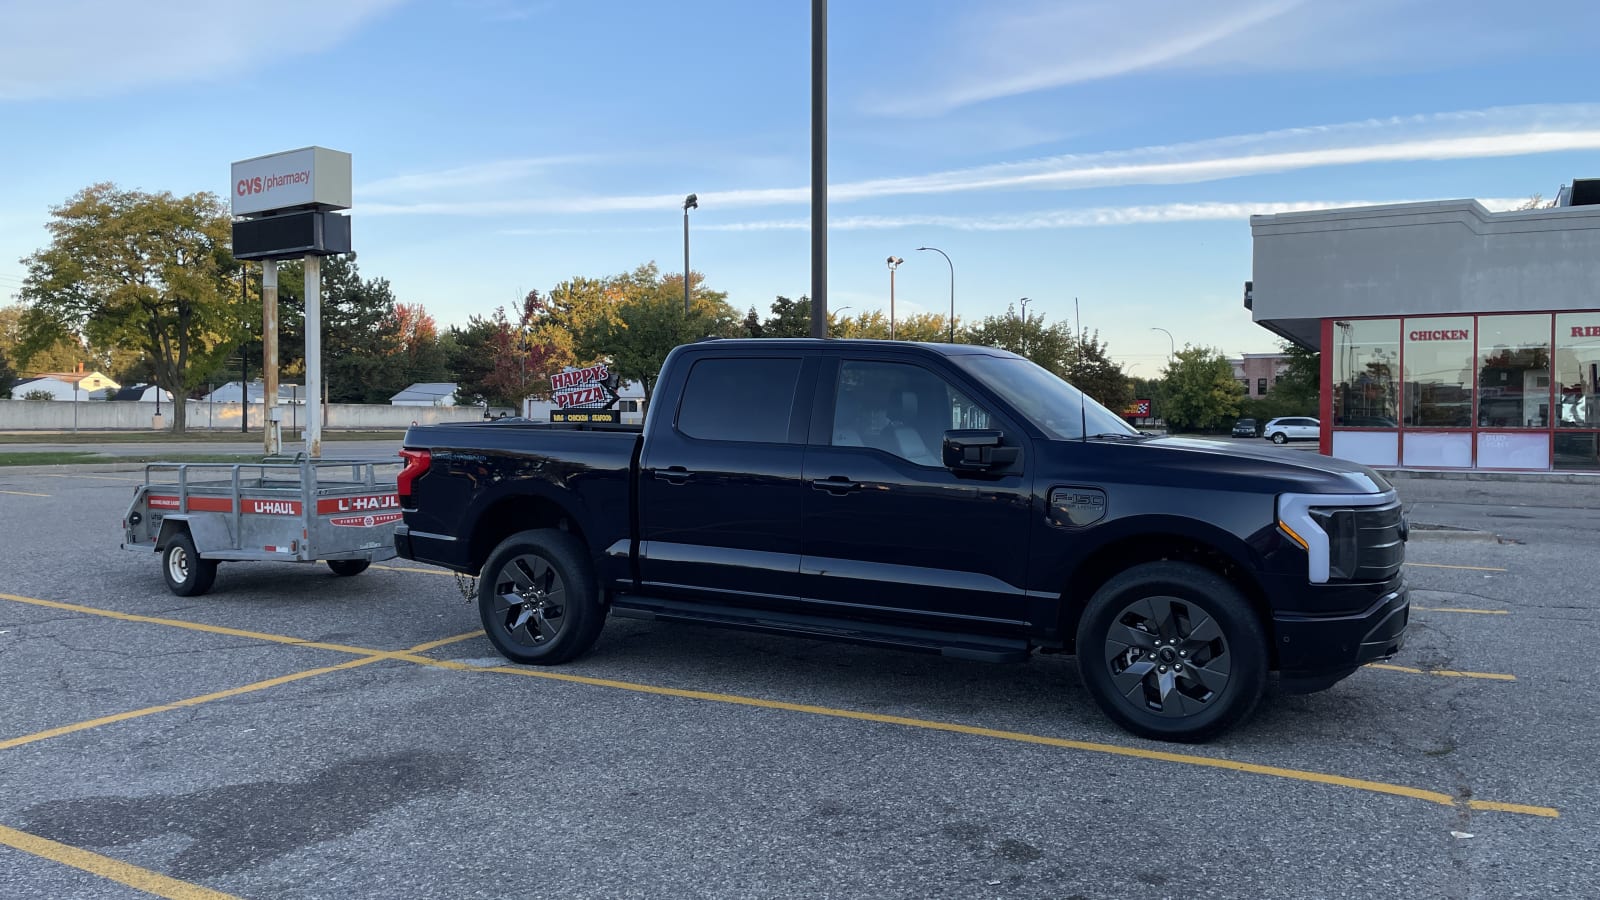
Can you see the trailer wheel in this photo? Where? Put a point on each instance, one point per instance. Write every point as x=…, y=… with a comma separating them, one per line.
x=348, y=567
x=186, y=573
x=538, y=599
x=1172, y=651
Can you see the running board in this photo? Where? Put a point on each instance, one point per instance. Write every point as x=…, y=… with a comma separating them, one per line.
x=965, y=646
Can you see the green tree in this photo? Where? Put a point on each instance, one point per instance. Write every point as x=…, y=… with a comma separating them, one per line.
x=7, y=376
x=422, y=358
x=468, y=358
x=789, y=319
x=649, y=322
x=1089, y=369
x=152, y=272
x=1300, y=388
x=360, y=331
x=1200, y=391
x=1048, y=345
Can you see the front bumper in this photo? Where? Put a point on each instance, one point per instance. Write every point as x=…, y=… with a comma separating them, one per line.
x=1316, y=652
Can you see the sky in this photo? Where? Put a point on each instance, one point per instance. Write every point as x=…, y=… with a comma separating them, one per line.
x=1103, y=152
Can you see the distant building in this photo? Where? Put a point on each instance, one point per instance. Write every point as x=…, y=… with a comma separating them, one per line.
x=1258, y=372
x=68, y=386
x=142, y=393
x=426, y=393
x=232, y=393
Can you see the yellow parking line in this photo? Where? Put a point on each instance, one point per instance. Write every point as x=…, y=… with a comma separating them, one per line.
x=1446, y=673
x=182, y=704
x=192, y=626
x=375, y=656
x=108, y=868
x=413, y=656
x=1378, y=787
x=1469, y=568
x=24, y=493
x=1463, y=609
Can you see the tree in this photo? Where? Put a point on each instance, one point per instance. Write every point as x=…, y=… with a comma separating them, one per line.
x=649, y=322
x=153, y=272
x=422, y=358
x=467, y=357
x=1301, y=385
x=789, y=319
x=752, y=325
x=1200, y=390
x=360, y=330
x=1048, y=345
x=1089, y=369
x=7, y=375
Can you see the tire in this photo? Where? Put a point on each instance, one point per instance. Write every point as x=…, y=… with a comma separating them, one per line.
x=186, y=573
x=1171, y=614
x=347, y=567
x=538, y=598
x=1280, y=438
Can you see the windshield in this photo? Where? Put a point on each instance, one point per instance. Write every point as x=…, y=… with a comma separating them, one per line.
x=1058, y=408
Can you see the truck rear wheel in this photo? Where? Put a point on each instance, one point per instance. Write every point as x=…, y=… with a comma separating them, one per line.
x=186, y=573
x=1172, y=651
x=538, y=599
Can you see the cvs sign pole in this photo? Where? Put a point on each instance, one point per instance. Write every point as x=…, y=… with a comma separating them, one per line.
x=282, y=207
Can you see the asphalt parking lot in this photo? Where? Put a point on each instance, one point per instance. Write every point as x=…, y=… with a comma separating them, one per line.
x=294, y=734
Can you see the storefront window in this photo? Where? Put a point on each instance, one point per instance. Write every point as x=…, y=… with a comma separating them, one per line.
x=1514, y=371
x=1366, y=359
x=1578, y=370
x=1438, y=372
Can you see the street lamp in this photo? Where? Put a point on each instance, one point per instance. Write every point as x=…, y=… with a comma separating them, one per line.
x=952, y=289
x=689, y=202
x=894, y=263
x=1024, y=303
x=1171, y=346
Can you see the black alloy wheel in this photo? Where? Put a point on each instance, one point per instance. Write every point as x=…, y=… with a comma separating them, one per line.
x=537, y=598
x=1172, y=651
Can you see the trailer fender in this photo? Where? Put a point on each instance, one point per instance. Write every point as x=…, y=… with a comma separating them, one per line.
x=209, y=532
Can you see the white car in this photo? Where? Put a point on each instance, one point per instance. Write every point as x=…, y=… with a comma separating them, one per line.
x=1292, y=428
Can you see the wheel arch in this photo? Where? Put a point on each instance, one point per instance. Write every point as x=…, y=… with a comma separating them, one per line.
x=524, y=510
x=1157, y=539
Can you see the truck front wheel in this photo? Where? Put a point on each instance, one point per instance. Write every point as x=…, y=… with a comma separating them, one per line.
x=1172, y=651
x=538, y=599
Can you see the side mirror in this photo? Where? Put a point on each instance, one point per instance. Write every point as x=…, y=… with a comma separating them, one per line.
x=977, y=450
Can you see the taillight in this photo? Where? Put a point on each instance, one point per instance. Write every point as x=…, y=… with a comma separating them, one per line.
x=417, y=462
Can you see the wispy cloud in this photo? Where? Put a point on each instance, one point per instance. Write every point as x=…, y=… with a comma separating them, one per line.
x=1060, y=44
x=500, y=174
x=1090, y=217
x=1087, y=217
x=1505, y=131
x=68, y=48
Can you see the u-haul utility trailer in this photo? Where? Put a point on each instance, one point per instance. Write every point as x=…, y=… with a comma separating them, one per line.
x=340, y=511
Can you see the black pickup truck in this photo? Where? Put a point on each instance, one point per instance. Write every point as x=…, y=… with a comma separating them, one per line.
x=944, y=498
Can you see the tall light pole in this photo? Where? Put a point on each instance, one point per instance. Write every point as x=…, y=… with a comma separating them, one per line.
x=1171, y=346
x=689, y=202
x=894, y=263
x=1024, y=303
x=952, y=289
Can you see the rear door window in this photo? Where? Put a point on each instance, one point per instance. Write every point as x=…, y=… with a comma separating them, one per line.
x=746, y=400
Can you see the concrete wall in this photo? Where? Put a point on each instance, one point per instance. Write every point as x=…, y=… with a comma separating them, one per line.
x=1420, y=259
x=118, y=415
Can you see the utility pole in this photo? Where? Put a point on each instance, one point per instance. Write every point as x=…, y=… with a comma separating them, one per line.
x=819, y=168
x=894, y=263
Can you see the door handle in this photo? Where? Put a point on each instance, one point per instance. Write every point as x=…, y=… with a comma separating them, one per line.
x=674, y=474
x=836, y=484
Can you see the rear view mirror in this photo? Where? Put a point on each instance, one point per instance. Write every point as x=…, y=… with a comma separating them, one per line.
x=977, y=450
